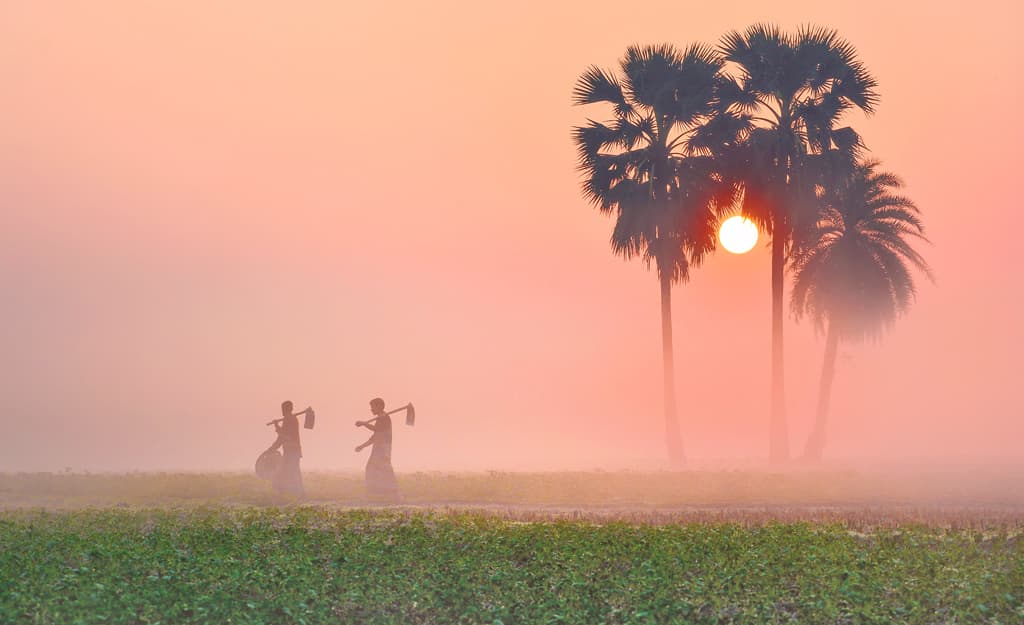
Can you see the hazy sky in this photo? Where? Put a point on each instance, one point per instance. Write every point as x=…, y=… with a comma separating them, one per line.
x=207, y=208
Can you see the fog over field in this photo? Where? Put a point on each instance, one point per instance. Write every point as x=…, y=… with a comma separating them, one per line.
x=207, y=210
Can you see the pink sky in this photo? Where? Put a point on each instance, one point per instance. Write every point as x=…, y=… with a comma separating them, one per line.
x=208, y=210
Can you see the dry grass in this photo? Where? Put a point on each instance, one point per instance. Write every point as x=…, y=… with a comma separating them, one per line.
x=858, y=500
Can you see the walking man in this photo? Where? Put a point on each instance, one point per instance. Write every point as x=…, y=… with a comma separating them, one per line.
x=380, y=476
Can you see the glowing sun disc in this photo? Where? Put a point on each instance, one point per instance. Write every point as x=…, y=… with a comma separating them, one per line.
x=738, y=234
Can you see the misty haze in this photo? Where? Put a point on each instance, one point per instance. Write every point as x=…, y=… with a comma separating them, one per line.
x=499, y=281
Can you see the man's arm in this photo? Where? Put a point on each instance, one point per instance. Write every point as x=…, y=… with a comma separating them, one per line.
x=366, y=444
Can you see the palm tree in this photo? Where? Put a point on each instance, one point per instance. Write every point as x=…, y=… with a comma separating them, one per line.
x=791, y=91
x=853, y=273
x=641, y=167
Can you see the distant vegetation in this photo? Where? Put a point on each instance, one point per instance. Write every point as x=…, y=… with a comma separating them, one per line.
x=694, y=495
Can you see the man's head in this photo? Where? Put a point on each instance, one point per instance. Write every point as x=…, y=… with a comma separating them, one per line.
x=377, y=406
x=286, y=408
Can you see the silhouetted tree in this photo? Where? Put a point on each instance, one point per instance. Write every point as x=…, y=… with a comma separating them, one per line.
x=852, y=274
x=790, y=92
x=644, y=167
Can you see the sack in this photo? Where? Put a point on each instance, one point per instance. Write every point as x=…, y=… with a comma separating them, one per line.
x=268, y=464
x=310, y=419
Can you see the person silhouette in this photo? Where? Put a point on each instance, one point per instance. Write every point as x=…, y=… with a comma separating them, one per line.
x=289, y=478
x=380, y=476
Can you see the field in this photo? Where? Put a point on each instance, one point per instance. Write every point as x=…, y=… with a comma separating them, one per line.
x=588, y=548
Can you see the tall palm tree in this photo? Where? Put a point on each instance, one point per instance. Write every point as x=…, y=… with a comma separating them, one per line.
x=853, y=273
x=641, y=167
x=791, y=90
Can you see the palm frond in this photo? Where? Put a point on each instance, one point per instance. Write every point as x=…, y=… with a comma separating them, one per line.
x=595, y=85
x=592, y=139
x=650, y=74
x=848, y=142
x=719, y=133
x=762, y=53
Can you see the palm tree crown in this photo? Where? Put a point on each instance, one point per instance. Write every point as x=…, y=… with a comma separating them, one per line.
x=790, y=94
x=641, y=165
x=854, y=271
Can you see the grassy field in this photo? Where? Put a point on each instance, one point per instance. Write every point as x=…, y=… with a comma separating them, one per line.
x=587, y=548
x=318, y=565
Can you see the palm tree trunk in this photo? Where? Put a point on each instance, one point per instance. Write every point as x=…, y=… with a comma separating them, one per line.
x=672, y=435
x=816, y=440
x=778, y=436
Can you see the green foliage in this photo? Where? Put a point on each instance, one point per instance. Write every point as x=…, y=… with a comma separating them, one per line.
x=314, y=565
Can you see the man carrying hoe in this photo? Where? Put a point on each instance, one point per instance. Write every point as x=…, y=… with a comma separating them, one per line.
x=380, y=476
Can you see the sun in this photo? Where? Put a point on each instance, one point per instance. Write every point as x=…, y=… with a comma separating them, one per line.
x=738, y=234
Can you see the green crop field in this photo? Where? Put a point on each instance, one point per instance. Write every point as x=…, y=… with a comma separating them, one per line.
x=314, y=565
x=211, y=554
